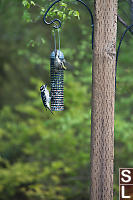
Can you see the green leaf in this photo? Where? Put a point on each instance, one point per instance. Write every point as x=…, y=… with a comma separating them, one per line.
x=76, y=14
x=63, y=4
x=70, y=12
x=32, y=3
x=42, y=40
x=31, y=43
x=64, y=16
x=27, y=17
x=26, y=3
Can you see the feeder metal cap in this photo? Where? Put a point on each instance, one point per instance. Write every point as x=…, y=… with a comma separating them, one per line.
x=61, y=55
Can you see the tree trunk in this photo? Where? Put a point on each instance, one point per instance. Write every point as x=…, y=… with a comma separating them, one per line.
x=103, y=99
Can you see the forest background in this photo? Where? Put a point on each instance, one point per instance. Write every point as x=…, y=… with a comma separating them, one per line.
x=45, y=157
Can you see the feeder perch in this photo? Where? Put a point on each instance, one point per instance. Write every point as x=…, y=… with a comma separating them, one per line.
x=57, y=84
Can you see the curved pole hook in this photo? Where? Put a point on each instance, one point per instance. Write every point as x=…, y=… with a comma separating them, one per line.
x=117, y=55
x=57, y=20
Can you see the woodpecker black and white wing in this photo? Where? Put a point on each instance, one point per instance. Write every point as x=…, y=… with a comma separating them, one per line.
x=68, y=66
x=48, y=98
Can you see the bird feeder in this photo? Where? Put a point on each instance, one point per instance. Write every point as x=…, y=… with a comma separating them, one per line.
x=57, y=77
x=57, y=83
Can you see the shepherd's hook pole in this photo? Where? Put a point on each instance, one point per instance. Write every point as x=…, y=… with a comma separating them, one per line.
x=119, y=46
x=59, y=21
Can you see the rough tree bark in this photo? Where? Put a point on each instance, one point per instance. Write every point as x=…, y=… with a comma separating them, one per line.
x=103, y=99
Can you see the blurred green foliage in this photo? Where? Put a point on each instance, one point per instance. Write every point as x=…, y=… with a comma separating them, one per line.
x=45, y=157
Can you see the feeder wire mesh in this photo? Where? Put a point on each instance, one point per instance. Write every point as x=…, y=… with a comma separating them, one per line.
x=57, y=83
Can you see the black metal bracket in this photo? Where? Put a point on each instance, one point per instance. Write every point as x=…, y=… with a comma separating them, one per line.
x=122, y=37
x=59, y=22
x=118, y=51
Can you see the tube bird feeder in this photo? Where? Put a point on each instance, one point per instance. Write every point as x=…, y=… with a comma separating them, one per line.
x=57, y=83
